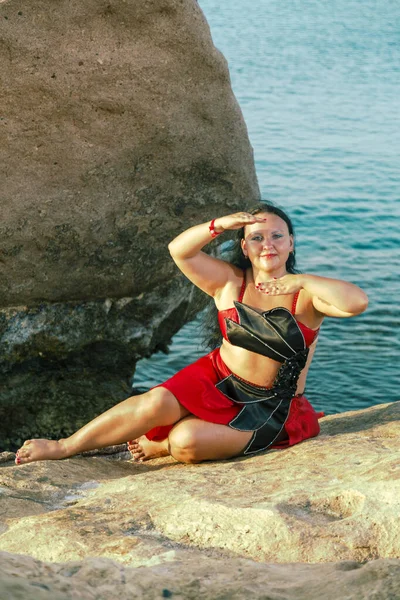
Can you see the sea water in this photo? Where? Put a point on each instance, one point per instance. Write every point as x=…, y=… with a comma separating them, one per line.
x=319, y=87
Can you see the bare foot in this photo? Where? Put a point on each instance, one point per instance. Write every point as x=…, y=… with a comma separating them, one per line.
x=34, y=450
x=143, y=449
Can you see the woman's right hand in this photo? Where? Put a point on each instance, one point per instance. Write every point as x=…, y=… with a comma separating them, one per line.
x=209, y=273
x=236, y=221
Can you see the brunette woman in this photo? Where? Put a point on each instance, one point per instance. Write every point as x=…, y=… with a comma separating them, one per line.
x=246, y=395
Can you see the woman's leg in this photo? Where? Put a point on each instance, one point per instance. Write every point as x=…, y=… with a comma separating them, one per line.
x=193, y=440
x=128, y=419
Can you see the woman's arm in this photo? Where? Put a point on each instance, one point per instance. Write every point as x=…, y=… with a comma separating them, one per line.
x=206, y=272
x=330, y=297
x=334, y=297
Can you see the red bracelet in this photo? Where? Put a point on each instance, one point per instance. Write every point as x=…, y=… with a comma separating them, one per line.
x=212, y=229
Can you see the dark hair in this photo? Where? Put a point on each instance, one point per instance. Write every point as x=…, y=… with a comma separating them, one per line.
x=211, y=334
x=236, y=256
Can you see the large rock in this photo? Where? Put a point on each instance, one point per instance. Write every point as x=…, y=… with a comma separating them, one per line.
x=188, y=576
x=119, y=125
x=333, y=499
x=119, y=129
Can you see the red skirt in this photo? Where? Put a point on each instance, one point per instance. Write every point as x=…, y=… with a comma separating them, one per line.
x=194, y=388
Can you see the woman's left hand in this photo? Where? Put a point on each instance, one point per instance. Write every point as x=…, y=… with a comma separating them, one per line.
x=288, y=284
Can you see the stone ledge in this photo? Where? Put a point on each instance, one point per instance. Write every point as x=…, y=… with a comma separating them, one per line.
x=334, y=498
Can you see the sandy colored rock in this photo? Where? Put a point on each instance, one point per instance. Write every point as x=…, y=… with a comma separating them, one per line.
x=332, y=499
x=191, y=577
x=119, y=129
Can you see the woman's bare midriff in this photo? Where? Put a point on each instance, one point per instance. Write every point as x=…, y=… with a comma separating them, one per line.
x=258, y=369
x=253, y=367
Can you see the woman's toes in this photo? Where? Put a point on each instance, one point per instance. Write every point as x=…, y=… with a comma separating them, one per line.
x=137, y=456
x=21, y=456
x=22, y=453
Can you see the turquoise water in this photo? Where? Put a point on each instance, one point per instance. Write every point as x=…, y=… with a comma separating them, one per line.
x=319, y=87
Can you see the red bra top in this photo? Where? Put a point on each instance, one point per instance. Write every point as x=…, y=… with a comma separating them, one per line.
x=231, y=313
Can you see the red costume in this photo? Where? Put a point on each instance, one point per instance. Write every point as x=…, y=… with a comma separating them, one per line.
x=210, y=391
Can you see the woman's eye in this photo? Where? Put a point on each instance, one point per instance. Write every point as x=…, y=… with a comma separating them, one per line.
x=277, y=236
x=256, y=238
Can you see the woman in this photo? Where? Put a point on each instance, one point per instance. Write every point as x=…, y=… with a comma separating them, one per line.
x=247, y=395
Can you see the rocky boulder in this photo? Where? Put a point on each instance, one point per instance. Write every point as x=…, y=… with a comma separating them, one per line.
x=318, y=519
x=119, y=129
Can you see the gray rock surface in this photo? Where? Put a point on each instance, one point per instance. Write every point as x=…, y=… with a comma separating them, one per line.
x=79, y=359
x=119, y=128
x=293, y=524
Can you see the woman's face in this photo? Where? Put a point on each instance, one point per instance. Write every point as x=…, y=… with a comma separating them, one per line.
x=268, y=244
